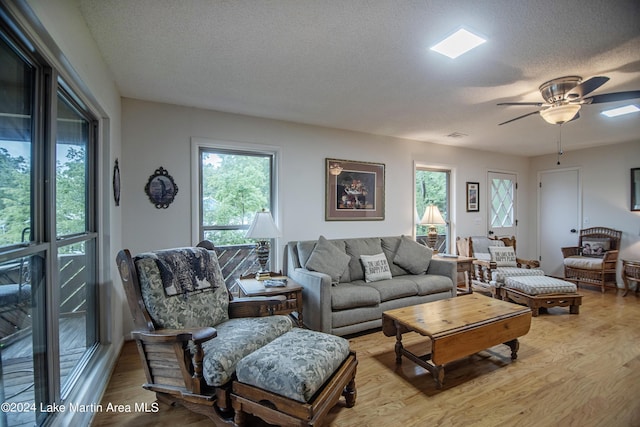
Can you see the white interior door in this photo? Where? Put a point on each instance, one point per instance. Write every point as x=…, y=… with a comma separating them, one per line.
x=559, y=217
x=502, y=204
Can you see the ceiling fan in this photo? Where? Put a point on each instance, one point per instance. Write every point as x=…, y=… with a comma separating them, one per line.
x=565, y=96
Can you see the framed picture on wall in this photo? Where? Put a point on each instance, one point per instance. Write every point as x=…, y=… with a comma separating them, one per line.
x=354, y=191
x=473, y=197
x=635, y=189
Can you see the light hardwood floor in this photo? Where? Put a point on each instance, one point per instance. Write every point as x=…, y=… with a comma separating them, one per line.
x=572, y=370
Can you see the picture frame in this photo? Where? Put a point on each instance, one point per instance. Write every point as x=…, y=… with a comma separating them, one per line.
x=473, y=197
x=161, y=188
x=635, y=189
x=116, y=183
x=355, y=190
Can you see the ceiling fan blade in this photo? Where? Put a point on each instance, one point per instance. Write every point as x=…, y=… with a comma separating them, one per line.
x=535, y=104
x=586, y=87
x=518, y=118
x=612, y=97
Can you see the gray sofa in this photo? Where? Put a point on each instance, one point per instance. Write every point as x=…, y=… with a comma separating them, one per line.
x=344, y=292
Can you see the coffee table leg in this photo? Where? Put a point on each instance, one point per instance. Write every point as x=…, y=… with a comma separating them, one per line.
x=514, y=345
x=398, y=345
x=438, y=375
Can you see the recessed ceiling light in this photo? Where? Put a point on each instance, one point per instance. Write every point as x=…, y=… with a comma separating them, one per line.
x=615, y=112
x=458, y=43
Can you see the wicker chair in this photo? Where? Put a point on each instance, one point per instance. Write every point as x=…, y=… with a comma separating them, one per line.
x=487, y=275
x=195, y=342
x=594, y=260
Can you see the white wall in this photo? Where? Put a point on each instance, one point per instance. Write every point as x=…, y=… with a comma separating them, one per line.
x=606, y=190
x=157, y=135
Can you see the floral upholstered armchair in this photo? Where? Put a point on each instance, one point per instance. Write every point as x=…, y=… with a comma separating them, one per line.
x=495, y=260
x=196, y=341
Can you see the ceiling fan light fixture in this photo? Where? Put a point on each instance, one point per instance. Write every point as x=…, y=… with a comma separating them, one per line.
x=559, y=114
x=456, y=44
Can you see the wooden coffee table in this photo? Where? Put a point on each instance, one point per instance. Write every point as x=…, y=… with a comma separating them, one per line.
x=457, y=327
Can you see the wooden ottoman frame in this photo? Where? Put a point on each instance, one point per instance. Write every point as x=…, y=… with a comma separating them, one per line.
x=536, y=302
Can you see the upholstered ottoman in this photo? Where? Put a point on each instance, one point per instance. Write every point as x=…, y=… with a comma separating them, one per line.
x=541, y=292
x=304, y=372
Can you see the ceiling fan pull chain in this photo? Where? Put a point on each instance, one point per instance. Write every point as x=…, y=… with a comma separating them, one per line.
x=559, y=143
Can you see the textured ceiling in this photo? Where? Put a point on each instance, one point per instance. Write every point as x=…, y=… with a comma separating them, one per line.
x=365, y=65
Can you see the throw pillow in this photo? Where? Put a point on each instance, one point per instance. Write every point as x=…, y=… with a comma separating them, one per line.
x=503, y=256
x=327, y=258
x=376, y=267
x=595, y=247
x=412, y=256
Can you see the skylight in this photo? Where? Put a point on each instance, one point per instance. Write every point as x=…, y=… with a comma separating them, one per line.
x=615, y=112
x=458, y=43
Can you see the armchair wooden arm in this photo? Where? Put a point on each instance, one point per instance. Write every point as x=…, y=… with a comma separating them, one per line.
x=570, y=251
x=170, y=365
x=527, y=263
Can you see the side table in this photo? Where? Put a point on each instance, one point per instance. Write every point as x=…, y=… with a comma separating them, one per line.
x=630, y=273
x=465, y=266
x=292, y=305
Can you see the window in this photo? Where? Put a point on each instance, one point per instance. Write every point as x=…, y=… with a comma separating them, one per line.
x=48, y=234
x=432, y=187
x=234, y=186
x=502, y=197
x=234, y=183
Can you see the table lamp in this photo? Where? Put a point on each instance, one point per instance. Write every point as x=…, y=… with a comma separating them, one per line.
x=431, y=218
x=262, y=229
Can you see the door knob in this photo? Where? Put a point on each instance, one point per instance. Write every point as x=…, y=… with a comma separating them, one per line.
x=573, y=230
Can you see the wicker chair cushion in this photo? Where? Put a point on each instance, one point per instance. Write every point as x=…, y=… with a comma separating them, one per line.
x=206, y=307
x=501, y=273
x=583, y=262
x=537, y=285
x=295, y=365
x=236, y=339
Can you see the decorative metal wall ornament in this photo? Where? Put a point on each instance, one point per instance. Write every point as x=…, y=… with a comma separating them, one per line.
x=116, y=183
x=161, y=188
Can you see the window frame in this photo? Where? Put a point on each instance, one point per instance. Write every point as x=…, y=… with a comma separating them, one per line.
x=200, y=144
x=448, y=171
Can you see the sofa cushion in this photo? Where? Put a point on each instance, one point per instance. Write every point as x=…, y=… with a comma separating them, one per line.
x=503, y=256
x=294, y=365
x=412, y=256
x=428, y=284
x=237, y=338
x=588, y=263
x=390, y=247
x=327, y=258
x=375, y=267
x=398, y=287
x=357, y=247
x=350, y=295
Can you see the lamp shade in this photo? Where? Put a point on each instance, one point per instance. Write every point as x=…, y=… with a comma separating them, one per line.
x=263, y=227
x=559, y=114
x=432, y=216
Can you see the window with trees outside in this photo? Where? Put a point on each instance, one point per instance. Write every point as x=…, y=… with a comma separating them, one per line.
x=48, y=233
x=234, y=184
x=432, y=187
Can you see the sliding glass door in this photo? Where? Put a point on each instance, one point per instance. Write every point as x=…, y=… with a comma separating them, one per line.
x=48, y=235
